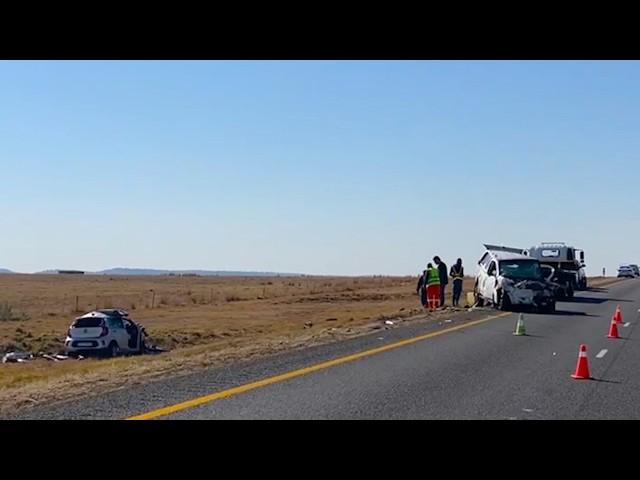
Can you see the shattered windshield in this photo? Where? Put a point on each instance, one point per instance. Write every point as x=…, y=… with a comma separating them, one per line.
x=521, y=269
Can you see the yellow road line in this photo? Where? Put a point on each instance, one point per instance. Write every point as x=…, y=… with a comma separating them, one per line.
x=302, y=371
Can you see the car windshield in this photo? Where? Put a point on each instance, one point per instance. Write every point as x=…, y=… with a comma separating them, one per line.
x=88, y=322
x=524, y=269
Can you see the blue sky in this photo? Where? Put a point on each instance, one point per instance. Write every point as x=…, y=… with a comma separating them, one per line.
x=314, y=167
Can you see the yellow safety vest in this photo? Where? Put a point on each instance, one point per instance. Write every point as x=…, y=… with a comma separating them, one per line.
x=457, y=274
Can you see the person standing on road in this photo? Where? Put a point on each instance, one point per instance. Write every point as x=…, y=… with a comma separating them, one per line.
x=457, y=274
x=433, y=287
x=421, y=288
x=444, y=277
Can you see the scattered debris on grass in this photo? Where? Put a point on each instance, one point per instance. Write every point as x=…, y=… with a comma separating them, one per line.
x=17, y=357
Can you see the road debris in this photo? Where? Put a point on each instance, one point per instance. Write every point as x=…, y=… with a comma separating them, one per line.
x=308, y=324
x=17, y=357
x=154, y=349
x=448, y=321
x=331, y=320
x=388, y=322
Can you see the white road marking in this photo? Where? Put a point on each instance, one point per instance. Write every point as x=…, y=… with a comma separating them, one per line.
x=602, y=353
x=626, y=324
x=529, y=410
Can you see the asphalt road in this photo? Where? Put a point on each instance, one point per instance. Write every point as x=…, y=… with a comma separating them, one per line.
x=466, y=369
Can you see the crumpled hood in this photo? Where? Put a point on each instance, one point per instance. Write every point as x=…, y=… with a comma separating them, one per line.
x=531, y=285
x=527, y=291
x=534, y=285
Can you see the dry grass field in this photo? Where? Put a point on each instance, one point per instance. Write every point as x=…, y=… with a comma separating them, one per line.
x=202, y=321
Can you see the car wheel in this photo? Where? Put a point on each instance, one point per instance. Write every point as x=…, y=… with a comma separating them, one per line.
x=113, y=350
x=142, y=347
x=504, y=302
x=478, y=299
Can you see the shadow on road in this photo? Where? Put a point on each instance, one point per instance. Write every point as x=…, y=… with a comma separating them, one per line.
x=596, y=301
x=597, y=289
x=573, y=313
x=556, y=312
x=604, y=381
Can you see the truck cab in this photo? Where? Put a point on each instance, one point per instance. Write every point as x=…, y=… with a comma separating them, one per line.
x=563, y=258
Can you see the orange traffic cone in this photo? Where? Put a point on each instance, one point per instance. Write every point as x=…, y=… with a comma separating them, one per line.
x=613, y=329
x=617, y=317
x=582, y=369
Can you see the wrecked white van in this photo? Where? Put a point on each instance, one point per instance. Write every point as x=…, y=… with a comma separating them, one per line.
x=506, y=278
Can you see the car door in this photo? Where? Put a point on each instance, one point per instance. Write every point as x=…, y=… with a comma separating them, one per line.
x=481, y=276
x=490, y=281
x=118, y=333
x=133, y=335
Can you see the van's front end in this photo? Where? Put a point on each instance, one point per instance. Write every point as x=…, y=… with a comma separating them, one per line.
x=521, y=283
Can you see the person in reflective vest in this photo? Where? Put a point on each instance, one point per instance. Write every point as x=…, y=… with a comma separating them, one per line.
x=433, y=287
x=457, y=274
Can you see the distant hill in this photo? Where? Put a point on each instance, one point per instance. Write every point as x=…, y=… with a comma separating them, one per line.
x=204, y=273
x=154, y=271
x=4, y=270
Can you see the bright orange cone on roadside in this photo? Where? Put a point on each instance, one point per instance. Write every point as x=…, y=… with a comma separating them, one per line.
x=617, y=317
x=613, y=329
x=582, y=369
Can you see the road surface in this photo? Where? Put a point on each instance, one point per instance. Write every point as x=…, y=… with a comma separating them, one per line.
x=465, y=369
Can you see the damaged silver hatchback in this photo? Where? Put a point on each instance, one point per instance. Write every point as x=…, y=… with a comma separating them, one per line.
x=507, y=279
